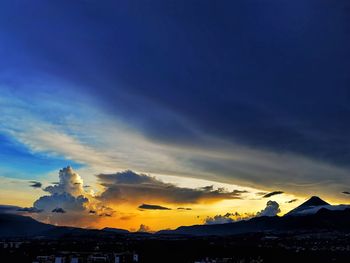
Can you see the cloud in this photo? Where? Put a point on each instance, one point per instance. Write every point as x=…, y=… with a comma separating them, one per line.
x=58, y=210
x=18, y=210
x=227, y=218
x=291, y=201
x=219, y=219
x=144, y=228
x=272, y=194
x=273, y=120
x=346, y=193
x=272, y=209
x=153, y=207
x=104, y=211
x=128, y=186
x=63, y=200
x=184, y=208
x=30, y=210
x=125, y=218
x=35, y=184
x=68, y=203
x=69, y=182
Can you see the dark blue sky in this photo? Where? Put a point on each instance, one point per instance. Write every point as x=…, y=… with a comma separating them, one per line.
x=267, y=74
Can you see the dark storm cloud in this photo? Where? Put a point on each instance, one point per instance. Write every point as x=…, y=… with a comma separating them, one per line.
x=239, y=70
x=132, y=187
x=35, y=184
x=153, y=207
x=272, y=194
x=58, y=210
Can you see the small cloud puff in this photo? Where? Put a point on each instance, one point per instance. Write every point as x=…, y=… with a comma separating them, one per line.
x=143, y=228
x=35, y=184
x=184, y=208
x=272, y=194
x=58, y=210
x=153, y=207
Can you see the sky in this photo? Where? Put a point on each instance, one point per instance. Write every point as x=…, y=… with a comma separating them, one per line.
x=148, y=115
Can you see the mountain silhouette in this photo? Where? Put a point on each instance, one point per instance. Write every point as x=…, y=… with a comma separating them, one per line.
x=13, y=225
x=313, y=202
x=321, y=216
x=325, y=217
x=322, y=220
x=115, y=230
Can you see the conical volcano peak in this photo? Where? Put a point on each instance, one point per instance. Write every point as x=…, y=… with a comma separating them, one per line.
x=312, y=202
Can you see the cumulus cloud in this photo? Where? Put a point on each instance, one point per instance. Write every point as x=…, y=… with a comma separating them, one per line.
x=64, y=200
x=69, y=182
x=272, y=194
x=133, y=187
x=227, y=218
x=35, y=184
x=67, y=194
x=272, y=209
x=153, y=207
x=68, y=203
x=219, y=219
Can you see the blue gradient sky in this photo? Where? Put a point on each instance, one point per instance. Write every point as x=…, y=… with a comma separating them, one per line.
x=252, y=93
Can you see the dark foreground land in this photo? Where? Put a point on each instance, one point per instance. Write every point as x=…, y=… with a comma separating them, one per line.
x=287, y=247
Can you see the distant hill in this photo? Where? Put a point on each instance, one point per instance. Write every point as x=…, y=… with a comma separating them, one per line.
x=15, y=225
x=12, y=225
x=323, y=219
x=115, y=230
